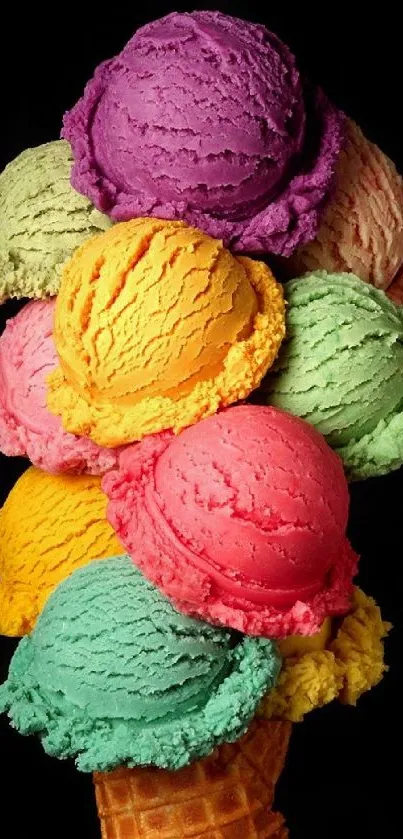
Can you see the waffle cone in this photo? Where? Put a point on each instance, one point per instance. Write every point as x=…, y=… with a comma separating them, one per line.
x=227, y=795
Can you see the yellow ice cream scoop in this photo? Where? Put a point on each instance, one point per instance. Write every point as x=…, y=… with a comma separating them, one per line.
x=158, y=325
x=297, y=645
x=49, y=526
x=338, y=663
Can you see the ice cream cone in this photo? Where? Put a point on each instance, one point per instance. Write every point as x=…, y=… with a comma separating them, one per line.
x=227, y=795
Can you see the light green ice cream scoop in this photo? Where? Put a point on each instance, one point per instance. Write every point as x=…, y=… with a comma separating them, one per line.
x=341, y=369
x=42, y=220
x=113, y=675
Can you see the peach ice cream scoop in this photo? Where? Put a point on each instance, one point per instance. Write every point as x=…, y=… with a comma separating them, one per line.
x=395, y=290
x=362, y=228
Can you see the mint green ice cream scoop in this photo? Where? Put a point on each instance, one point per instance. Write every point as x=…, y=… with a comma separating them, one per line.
x=113, y=675
x=42, y=220
x=340, y=368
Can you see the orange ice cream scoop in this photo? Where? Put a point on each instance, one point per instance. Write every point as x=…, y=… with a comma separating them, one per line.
x=49, y=526
x=157, y=325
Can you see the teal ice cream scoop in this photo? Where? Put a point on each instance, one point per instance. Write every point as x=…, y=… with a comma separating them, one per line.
x=113, y=675
x=341, y=369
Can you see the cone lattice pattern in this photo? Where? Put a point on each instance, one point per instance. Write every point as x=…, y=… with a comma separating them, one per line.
x=225, y=796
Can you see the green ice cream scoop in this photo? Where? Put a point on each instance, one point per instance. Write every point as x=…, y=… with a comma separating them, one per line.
x=341, y=369
x=113, y=675
x=42, y=220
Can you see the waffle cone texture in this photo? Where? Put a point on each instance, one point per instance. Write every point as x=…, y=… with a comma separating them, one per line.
x=227, y=795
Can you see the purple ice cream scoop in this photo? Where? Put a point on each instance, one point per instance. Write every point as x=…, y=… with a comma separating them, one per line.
x=204, y=117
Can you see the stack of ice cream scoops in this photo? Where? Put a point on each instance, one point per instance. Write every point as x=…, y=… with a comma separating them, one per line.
x=182, y=575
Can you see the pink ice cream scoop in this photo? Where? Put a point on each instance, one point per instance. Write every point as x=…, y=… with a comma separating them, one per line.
x=205, y=117
x=27, y=355
x=240, y=520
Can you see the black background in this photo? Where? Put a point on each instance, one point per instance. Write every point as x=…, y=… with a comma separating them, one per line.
x=342, y=774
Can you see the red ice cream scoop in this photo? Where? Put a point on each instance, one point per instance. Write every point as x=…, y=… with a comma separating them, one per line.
x=239, y=520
